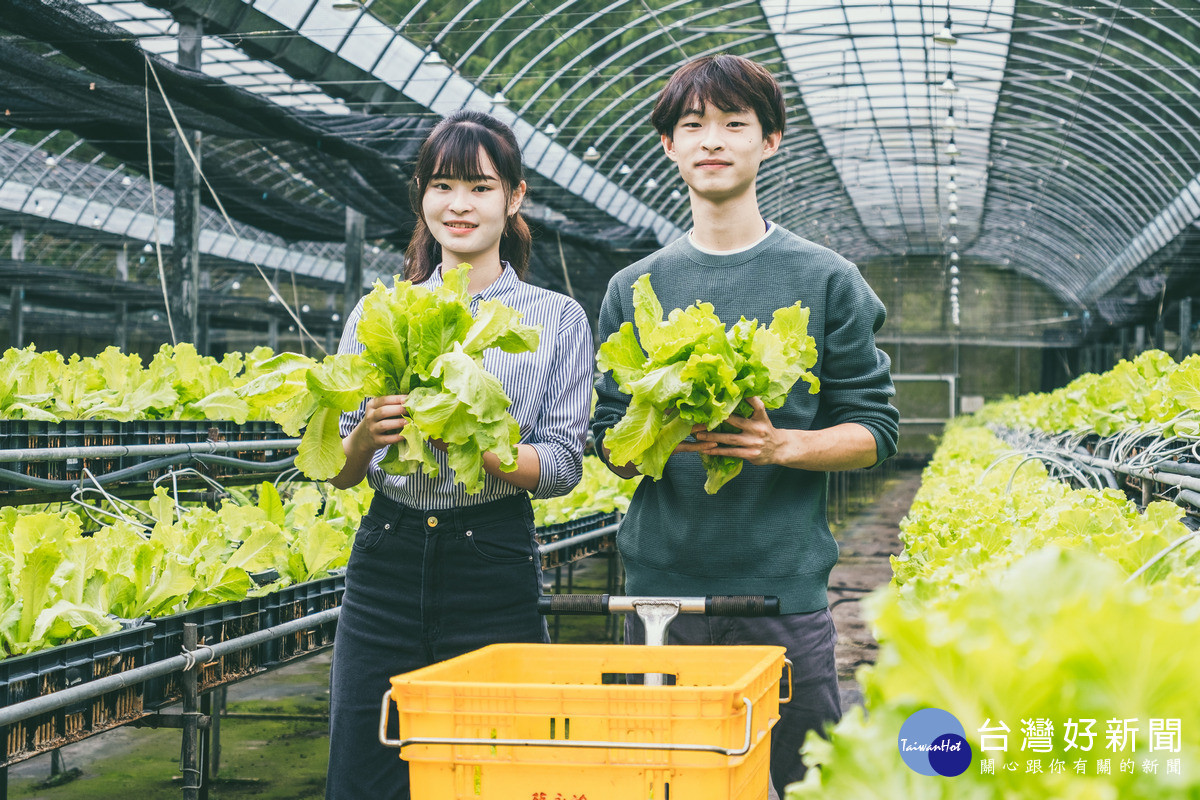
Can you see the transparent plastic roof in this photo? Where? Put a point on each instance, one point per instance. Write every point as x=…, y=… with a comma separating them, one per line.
x=1073, y=155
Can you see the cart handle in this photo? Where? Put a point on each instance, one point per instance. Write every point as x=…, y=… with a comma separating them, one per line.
x=749, y=605
x=385, y=711
x=788, y=663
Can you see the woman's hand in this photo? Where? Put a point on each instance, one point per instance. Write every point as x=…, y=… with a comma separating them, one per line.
x=381, y=424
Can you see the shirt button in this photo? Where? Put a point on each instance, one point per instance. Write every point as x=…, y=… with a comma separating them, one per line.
x=431, y=522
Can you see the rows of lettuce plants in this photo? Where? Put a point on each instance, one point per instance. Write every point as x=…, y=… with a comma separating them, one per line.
x=1054, y=624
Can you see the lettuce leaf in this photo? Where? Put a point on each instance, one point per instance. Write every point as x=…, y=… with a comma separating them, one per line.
x=689, y=369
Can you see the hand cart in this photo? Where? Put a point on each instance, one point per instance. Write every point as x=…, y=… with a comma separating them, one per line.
x=554, y=722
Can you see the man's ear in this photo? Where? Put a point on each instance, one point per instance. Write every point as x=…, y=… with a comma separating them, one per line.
x=669, y=147
x=771, y=144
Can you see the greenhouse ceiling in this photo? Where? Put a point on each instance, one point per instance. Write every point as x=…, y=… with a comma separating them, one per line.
x=1056, y=140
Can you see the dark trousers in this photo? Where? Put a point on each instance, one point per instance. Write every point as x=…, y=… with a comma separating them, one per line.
x=421, y=587
x=809, y=640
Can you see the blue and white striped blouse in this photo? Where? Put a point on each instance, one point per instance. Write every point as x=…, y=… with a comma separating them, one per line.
x=550, y=388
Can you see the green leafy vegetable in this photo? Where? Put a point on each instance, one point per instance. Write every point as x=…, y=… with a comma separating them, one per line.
x=688, y=369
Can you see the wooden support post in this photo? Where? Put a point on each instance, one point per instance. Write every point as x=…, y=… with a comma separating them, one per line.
x=122, y=327
x=356, y=225
x=191, y=766
x=1185, y=328
x=185, y=252
x=16, y=317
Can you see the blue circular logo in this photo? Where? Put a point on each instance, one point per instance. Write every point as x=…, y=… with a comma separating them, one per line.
x=933, y=742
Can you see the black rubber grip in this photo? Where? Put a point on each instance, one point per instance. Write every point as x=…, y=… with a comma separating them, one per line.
x=573, y=604
x=742, y=605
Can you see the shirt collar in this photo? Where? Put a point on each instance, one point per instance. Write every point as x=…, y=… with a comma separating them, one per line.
x=507, y=281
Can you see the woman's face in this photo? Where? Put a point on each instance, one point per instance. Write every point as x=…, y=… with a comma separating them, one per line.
x=467, y=218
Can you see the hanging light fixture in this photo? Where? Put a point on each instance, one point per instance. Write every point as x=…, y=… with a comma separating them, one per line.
x=951, y=186
x=591, y=154
x=624, y=169
x=949, y=86
x=950, y=123
x=953, y=269
x=235, y=285
x=952, y=208
x=954, y=256
x=347, y=5
x=51, y=161
x=953, y=240
x=433, y=57
x=675, y=195
x=952, y=148
x=954, y=281
x=953, y=220
x=147, y=248
x=953, y=198
x=127, y=181
x=952, y=170
x=551, y=129
x=498, y=99
x=651, y=183
x=946, y=35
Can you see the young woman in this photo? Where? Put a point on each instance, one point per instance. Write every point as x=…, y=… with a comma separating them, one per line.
x=436, y=572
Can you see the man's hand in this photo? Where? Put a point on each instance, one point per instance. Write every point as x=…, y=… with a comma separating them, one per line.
x=757, y=439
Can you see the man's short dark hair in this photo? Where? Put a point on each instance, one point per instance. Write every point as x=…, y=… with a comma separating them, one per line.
x=731, y=83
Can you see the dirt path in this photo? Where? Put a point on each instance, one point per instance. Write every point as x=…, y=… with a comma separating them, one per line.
x=866, y=540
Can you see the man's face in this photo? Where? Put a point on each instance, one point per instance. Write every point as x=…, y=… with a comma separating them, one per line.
x=719, y=152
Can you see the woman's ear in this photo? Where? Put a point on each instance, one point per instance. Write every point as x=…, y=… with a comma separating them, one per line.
x=514, y=202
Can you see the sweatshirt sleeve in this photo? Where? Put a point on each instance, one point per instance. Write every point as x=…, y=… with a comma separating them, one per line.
x=856, y=381
x=611, y=402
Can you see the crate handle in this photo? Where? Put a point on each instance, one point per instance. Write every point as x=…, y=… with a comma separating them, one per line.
x=791, y=690
x=706, y=748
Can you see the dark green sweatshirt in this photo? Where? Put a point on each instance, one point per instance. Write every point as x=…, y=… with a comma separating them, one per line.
x=764, y=532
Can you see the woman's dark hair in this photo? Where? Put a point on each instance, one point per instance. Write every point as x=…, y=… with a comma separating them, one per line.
x=452, y=150
x=731, y=83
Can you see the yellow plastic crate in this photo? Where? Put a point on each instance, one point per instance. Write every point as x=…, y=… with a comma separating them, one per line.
x=521, y=721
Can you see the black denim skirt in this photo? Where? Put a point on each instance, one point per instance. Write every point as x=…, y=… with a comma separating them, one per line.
x=421, y=587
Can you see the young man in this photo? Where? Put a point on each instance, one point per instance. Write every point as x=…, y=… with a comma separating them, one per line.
x=765, y=532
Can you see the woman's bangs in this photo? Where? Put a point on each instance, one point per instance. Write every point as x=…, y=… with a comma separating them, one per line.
x=458, y=155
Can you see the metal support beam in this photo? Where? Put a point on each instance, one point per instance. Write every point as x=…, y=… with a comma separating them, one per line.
x=16, y=317
x=355, y=233
x=185, y=254
x=1185, y=328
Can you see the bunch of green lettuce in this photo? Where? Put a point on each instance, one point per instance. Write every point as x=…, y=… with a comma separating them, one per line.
x=690, y=370
x=423, y=343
